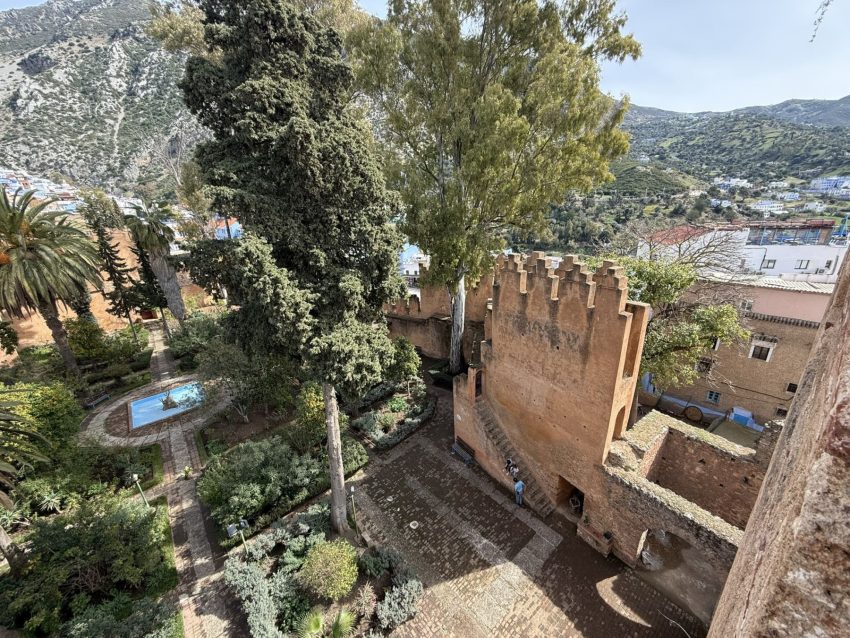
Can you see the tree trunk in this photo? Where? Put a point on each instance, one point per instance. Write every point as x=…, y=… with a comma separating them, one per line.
x=167, y=278
x=458, y=317
x=10, y=552
x=133, y=328
x=339, y=513
x=60, y=337
x=165, y=329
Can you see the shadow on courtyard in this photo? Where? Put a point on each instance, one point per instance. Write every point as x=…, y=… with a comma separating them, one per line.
x=490, y=569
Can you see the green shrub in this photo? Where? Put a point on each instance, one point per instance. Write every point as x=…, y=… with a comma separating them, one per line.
x=269, y=601
x=406, y=428
x=123, y=617
x=354, y=457
x=36, y=364
x=118, y=371
x=87, y=340
x=50, y=410
x=377, y=393
x=400, y=604
x=141, y=361
x=102, y=547
x=330, y=569
x=254, y=476
x=386, y=422
x=197, y=331
x=366, y=423
x=397, y=404
x=380, y=560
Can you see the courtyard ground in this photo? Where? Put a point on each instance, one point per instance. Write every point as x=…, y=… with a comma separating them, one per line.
x=492, y=569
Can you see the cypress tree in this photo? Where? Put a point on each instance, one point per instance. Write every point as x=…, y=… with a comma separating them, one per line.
x=102, y=215
x=297, y=163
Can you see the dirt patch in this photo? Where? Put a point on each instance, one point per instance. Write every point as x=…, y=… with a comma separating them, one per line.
x=232, y=431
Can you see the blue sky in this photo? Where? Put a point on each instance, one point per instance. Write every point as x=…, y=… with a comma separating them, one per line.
x=720, y=54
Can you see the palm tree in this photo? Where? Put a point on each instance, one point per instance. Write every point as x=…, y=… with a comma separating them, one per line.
x=44, y=260
x=152, y=234
x=18, y=448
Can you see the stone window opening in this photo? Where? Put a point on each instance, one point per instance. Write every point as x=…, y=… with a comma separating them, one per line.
x=570, y=499
x=712, y=396
x=768, y=264
x=792, y=388
x=781, y=412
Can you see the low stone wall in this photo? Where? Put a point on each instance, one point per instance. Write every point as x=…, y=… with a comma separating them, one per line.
x=642, y=505
x=719, y=476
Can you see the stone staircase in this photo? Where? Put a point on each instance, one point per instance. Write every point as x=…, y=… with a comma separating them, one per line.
x=534, y=496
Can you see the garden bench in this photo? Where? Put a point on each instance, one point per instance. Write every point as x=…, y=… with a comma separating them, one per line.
x=466, y=453
x=98, y=398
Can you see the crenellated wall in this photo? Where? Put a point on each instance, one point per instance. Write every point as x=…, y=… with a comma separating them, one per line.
x=559, y=367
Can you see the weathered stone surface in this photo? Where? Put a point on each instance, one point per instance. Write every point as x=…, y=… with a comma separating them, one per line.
x=790, y=577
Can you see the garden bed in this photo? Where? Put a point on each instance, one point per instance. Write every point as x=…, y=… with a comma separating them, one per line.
x=395, y=417
x=262, y=481
x=297, y=579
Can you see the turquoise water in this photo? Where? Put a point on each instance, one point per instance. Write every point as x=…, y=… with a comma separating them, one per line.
x=150, y=409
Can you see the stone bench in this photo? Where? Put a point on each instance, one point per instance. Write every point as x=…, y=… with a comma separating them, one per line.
x=466, y=454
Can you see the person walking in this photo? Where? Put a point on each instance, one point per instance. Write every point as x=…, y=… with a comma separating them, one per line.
x=508, y=465
x=514, y=471
x=519, y=488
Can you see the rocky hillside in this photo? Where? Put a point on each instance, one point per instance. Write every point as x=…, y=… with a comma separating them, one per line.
x=84, y=92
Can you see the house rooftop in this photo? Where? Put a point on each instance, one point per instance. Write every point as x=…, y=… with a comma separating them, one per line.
x=762, y=281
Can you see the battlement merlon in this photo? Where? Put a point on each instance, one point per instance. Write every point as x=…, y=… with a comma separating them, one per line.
x=606, y=289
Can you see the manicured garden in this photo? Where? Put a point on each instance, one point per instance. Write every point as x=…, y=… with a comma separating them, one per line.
x=296, y=578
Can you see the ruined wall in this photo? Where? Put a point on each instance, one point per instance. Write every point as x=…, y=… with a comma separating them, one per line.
x=718, y=475
x=790, y=577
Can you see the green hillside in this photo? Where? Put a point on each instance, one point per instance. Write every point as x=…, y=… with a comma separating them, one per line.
x=755, y=146
x=635, y=178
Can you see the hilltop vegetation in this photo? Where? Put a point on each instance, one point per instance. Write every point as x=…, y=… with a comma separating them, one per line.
x=635, y=178
x=759, y=142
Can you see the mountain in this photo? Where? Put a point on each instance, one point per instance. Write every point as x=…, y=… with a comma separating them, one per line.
x=84, y=92
x=827, y=113
x=798, y=138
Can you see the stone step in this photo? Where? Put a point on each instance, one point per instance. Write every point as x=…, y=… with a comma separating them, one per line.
x=533, y=494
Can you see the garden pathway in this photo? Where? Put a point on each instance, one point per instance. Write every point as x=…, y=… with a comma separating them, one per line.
x=204, y=603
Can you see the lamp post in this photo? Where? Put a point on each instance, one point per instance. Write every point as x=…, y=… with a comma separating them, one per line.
x=236, y=528
x=141, y=491
x=354, y=510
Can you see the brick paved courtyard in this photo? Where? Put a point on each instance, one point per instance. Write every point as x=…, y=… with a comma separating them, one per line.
x=490, y=568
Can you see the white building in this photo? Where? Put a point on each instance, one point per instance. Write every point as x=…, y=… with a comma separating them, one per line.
x=777, y=184
x=789, y=196
x=768, y=207
x=815, y=207
x=805, y=251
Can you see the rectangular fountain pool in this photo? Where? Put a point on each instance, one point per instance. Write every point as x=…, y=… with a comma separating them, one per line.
x=156, y=408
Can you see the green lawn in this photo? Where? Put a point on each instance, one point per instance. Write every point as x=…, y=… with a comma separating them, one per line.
x=152, y=457
x=169, y=578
